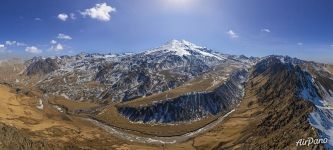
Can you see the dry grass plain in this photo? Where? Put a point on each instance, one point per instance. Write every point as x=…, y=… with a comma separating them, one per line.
x=58, y=128
x=73, y=132
x=49, y=124
x=71, y=105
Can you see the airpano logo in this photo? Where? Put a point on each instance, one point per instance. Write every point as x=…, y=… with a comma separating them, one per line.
x=311, y=141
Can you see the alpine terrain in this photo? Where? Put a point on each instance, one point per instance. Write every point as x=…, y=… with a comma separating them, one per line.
x=176, y=96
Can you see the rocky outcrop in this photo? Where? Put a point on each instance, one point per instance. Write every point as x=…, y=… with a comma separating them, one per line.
x=142, y=76
x=192, y=106
x=42, y=67
x=281, y=117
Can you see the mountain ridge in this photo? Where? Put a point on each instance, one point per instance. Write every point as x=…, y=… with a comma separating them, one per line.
x=178, y=85
x=155, y=70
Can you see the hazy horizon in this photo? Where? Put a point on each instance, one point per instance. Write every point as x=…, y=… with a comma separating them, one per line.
x=13, y=56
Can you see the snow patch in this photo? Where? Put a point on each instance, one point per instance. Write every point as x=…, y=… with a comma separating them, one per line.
x=64, y=95
x=183, y=48
x=308, y=89
x=322, y=117
x=58, y=108
x=40, y=104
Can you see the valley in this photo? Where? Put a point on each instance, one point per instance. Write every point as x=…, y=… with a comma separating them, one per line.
x=176, y=96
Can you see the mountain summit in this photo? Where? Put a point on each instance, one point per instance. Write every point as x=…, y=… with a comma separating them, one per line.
x=184, y=48
x=127, y=77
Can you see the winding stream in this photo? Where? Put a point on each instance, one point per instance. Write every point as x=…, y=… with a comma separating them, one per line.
x=158, y=140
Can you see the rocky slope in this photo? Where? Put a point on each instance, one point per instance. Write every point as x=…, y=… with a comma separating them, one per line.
x=317, y=88
x=40, y=66
x=125, y=77
x=284, y=119
x=272, y=115
x=296, y=105
x=186, y=87
x=191, y=106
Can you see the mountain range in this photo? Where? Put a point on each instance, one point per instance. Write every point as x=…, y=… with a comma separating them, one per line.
x=210, y=100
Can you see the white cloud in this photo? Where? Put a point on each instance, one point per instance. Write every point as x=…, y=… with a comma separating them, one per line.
x=63, y=17
x=3, y=48
x=64, y=36
x=331, y=45
x=57, y=47
x=14, y=43
x=100, y=12
x=20, y=44
x=300, y=43
x=38, y=19
x=72, y=16
x=53, y=42
x=33, y=50
x=265, y=30
x=232, y=34
x=10, y=42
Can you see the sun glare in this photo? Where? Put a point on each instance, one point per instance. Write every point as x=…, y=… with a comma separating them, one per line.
x=180, y=4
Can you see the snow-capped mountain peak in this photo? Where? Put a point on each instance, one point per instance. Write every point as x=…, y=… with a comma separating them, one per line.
x=181, y=43
x=177, y=47
x=183, y=48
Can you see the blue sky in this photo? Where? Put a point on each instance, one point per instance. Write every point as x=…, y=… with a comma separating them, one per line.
x=299, y=28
